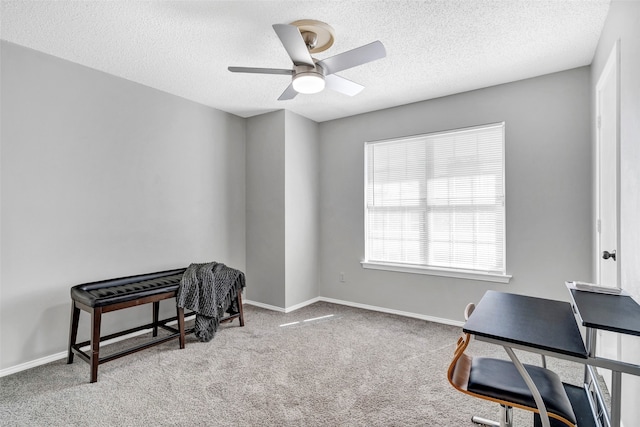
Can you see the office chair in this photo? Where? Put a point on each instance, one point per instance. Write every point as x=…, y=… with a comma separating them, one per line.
x=500, y=381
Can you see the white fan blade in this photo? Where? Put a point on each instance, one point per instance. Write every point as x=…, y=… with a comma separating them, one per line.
x=260, y=70
x=342, y=85
x=294, y=44
x=353, y=58
x=289, y=93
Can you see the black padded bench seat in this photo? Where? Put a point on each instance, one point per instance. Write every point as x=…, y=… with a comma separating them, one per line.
x=105, y=296
x=108, y=292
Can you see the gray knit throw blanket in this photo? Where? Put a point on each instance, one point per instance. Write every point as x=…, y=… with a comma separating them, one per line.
x=210, y=289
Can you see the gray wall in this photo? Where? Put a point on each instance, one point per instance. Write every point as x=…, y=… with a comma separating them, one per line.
x=623, y=23
x=101, y=178
x=266, y=208
x=548, y=181
x=302, y=208
x=282, y=209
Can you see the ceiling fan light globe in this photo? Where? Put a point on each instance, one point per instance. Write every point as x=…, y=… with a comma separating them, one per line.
x=308, y=83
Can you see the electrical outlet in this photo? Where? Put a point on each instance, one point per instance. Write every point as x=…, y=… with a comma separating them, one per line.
x=342, y=279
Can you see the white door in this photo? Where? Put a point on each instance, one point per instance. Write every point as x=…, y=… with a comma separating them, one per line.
x=607, y=136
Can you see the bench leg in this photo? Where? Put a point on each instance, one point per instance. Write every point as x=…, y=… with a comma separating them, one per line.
x=96, y=318
x=73, y=330
x=156, y=311
x=240, y=311
x=181, y=326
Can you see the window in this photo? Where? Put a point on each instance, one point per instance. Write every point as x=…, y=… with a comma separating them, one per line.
x=434, y=204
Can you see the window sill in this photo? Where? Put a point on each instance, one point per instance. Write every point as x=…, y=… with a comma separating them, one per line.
x=460, y=274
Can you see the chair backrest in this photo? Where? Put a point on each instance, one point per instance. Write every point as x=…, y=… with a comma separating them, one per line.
x=468, y=310
x=460, y=367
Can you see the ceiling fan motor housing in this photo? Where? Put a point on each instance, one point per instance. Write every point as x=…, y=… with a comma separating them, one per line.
x=307, y=79
x=301, y=69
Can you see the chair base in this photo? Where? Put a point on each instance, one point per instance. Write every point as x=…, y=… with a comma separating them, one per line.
x=506, y=418
x=484, y=422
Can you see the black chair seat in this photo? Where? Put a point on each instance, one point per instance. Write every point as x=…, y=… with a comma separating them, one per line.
x=501, y=380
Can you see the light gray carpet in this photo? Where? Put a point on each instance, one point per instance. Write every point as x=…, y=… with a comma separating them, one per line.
x=355, y=368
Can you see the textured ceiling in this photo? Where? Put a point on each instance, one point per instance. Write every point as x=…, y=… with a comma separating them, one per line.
x=434, y=48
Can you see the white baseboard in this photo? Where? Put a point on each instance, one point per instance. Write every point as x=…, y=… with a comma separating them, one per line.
x=52, y=358
x=32, y=364
x=280, y=309
x=265, y=306
x=357, y=305
x=392, y=311
x=302, y=304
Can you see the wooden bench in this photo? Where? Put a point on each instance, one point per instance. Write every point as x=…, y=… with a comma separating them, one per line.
x=106, y=296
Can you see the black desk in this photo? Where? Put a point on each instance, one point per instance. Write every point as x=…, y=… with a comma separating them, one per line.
x=615, y=313
x=549, y=327
x=527, y=321
x=534, y=324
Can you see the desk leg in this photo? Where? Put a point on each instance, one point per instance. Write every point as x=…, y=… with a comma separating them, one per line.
x=616, y=391
x=596, y=399
x=590, y=344
x=544, y=417
x=612, y=418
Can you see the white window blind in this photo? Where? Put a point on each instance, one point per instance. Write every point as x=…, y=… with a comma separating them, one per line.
x=437, y=200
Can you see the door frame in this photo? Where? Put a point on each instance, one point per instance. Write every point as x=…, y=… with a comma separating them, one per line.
x=612, y=341
x=612, y=65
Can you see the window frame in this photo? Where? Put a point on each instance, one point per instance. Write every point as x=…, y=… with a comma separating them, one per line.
x=490, y=276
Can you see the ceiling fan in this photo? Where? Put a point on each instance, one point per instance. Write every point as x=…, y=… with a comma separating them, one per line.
x=309, y=75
